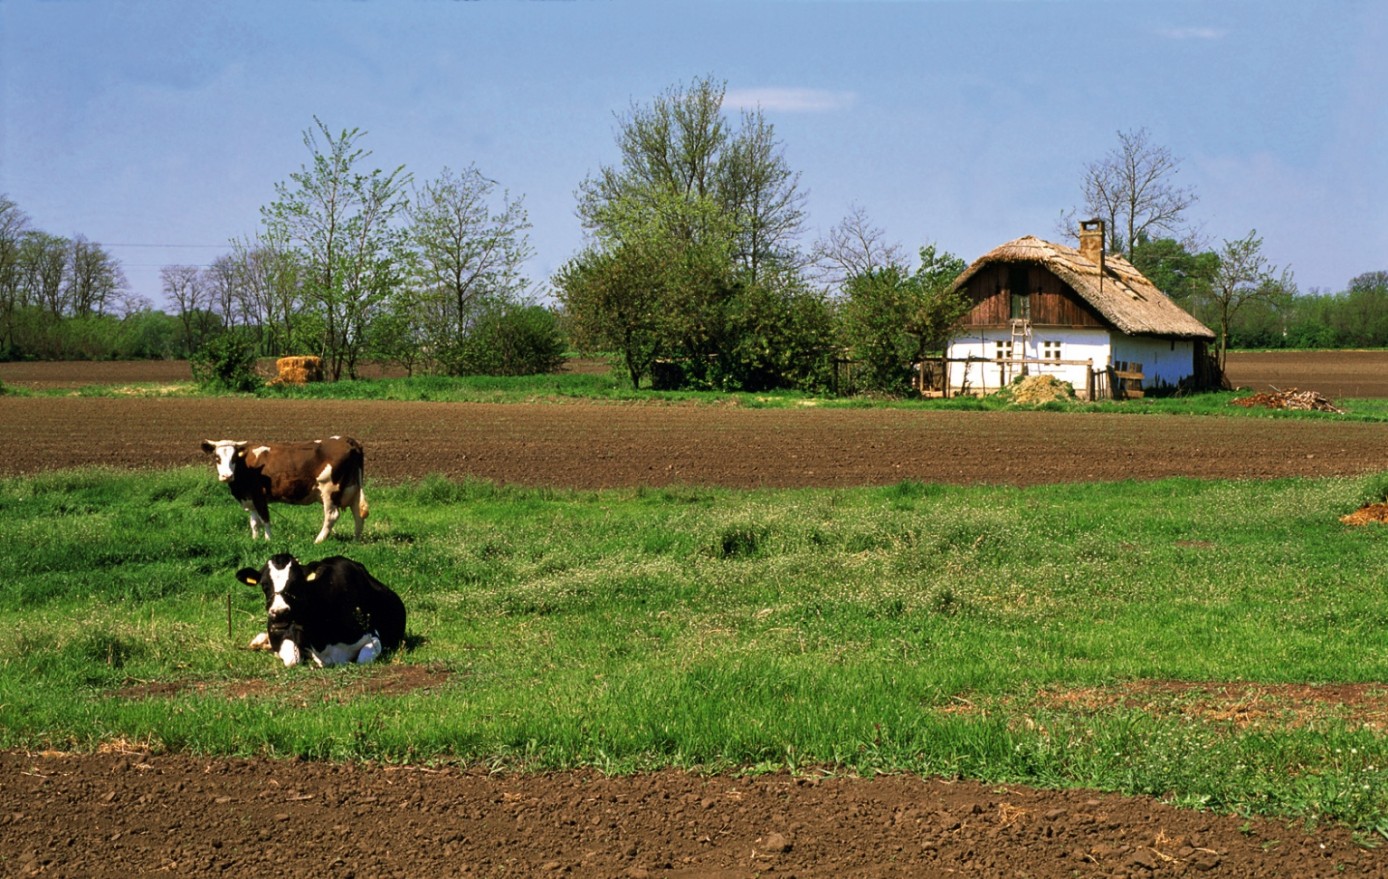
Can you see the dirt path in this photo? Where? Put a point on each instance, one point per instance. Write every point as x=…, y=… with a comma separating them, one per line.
x=121, y=815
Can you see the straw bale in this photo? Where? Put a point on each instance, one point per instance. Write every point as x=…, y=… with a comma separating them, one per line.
x=298, y=370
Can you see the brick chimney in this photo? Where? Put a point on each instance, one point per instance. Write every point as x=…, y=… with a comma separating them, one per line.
x=1092, y=241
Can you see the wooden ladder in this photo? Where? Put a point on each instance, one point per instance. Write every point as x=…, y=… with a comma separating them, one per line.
x=1021, y=331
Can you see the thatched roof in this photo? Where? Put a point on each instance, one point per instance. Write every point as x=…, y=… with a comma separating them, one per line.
x=1119, y=293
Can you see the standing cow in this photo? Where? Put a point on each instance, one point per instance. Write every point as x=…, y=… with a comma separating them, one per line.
x=329, y=612
x=323, y=471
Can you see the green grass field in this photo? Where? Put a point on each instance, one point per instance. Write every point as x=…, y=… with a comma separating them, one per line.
x=915, y=628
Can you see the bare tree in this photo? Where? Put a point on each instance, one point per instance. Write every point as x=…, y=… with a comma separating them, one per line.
x=221, y=283
x=14, y=225
x=1134, y=190
x=854, y=247
x=44, y=264
x=183, y=286
x=94, y=278
x=269, y=291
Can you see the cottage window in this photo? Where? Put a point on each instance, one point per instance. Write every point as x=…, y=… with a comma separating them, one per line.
x=1050, y=349
x=1002, y=350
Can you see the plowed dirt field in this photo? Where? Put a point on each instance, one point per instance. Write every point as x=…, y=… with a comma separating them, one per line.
x=134, y=814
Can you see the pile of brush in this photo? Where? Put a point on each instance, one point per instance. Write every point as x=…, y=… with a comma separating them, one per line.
x=1289, y=399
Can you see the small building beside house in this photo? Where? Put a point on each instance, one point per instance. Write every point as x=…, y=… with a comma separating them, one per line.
x=1082, y=316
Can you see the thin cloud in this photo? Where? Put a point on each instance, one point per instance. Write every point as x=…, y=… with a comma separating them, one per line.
x=789, y=100
x=1193, y=33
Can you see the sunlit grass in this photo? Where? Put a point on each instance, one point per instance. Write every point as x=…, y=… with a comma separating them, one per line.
x=923, y=628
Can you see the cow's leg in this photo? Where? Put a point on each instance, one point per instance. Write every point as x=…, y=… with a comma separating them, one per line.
x=289, y=653
x=260, y=642
x=259, y=515
x=330, y=514
x=326, y=490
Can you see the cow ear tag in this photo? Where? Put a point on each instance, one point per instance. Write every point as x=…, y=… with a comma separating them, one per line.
x=311, y=576
x=251, y=581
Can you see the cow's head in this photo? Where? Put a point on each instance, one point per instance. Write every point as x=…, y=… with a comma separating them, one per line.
x=286, y=585
x=227, y=453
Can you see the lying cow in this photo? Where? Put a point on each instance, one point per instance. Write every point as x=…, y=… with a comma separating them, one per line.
x=325, y=471
x=329, y=612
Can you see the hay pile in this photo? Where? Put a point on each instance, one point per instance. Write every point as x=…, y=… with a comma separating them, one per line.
x=1036, y=390
x=298, y=370
x=1290, y=399
x=1377, y=513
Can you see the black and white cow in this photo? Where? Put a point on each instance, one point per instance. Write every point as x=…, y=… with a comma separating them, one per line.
x=328, y=612
x=323, y=471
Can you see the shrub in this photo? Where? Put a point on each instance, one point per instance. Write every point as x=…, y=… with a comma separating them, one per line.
x=510, y=339
x=225, y=363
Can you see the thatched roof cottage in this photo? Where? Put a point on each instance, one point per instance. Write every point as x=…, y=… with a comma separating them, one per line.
x=1084, y=316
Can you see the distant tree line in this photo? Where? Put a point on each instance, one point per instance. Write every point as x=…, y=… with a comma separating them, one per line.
x=692, y=274
x=66, y=297
x=351, y=264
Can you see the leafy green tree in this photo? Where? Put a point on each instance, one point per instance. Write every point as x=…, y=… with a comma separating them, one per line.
x=1175, y=270
x=1261, y=324
x=693, y=217
x=1243, y=276
x=785, y=338
x=148, y=334
x=1359, y=315
x=394, y=334
x=892, y=319
x=627, y=293
x=342, y=221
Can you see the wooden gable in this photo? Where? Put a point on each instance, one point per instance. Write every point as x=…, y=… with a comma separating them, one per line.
x=1004, y=291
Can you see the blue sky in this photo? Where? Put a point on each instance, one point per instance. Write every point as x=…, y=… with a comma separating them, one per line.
x=964, y=124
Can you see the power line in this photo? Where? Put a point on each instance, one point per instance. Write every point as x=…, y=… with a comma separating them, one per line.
x=164, y=245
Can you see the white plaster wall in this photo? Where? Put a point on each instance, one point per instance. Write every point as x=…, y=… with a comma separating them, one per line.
x=1076, y=344
x=1165, y=362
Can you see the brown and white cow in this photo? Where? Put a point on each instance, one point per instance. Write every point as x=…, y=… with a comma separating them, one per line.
x=322, y=471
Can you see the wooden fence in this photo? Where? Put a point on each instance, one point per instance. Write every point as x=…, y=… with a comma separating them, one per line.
x=1120, y=382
